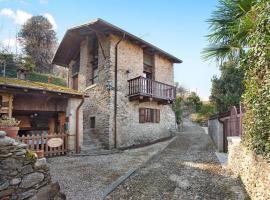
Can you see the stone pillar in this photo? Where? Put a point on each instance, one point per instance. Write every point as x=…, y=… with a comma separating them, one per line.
x=73, y=104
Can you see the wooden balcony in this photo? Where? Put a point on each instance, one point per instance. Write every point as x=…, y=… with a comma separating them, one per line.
x=144, y=89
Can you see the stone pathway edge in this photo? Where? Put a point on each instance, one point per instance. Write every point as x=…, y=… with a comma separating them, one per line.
x=131, y=171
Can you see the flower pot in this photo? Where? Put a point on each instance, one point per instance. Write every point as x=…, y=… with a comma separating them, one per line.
x=12, y=132
x=40, y=153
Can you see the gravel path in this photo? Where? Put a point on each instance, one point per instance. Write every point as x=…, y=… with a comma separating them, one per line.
x=186, y=169
x=87, y=177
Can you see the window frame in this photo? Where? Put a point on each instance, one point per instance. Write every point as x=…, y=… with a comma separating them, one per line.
x=149, y=115
x=93, y=122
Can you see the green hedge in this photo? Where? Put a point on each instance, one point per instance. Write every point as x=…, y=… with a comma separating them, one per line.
x=37, y=77
x=257, y=82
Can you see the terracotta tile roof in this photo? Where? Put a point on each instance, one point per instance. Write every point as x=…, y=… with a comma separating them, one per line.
x=25, y=84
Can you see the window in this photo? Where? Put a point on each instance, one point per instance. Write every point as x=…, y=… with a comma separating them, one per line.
x=148, y=66
x=92, y=122
x=95, y=62
x=149, y=115
x=76, y=66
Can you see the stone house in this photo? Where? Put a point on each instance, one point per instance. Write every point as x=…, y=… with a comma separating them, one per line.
x=128, y=80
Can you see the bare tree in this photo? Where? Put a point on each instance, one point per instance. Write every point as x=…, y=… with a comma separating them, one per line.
x=39, y=41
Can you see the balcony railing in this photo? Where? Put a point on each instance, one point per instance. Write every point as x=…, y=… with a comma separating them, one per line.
x=144, y=87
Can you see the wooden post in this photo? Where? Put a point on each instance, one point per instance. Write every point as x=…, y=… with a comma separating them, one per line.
x=10, y=107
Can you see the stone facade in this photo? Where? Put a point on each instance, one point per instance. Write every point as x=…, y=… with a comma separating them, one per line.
x=22, y=175
x=253, y=169
x=100, y=103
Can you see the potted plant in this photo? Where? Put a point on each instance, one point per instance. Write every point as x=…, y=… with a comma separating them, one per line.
x=40, y=153
x=9, y=125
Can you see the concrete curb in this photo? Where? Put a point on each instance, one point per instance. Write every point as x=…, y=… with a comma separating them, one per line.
x=96, y=153
x=122, y=178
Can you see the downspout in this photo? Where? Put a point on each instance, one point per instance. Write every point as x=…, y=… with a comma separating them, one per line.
x=115, y=90
x=77, y=125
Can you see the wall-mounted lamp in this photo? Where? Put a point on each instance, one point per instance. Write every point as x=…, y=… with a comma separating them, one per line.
x=109, y=85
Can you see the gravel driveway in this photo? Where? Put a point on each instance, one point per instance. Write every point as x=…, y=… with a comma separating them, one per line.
x=87, y=177
x=186, y=169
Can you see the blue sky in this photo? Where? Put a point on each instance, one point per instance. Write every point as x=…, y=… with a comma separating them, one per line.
x=176, y=26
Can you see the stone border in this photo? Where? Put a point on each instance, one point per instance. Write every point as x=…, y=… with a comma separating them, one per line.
x=131, y=171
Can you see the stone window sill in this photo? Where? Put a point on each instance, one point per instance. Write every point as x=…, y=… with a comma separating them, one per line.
x=90, y=87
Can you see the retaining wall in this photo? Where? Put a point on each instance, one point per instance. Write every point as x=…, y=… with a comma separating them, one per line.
x=23, y=176
x=253, y=169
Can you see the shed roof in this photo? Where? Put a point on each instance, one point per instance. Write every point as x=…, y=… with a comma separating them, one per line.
x=14, y=83
x=75, y=35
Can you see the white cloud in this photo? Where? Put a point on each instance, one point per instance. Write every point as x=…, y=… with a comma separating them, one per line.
x=19, y=17
x=11, y=42
x=22, y=17
x=10, y=45
x=43, y=1
x=7, y=12
x=51, y=20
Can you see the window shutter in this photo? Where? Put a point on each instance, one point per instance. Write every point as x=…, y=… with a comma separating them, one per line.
x=157, y=115
x=141, y=115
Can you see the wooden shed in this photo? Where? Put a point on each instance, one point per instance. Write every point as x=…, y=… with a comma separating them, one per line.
x=43, y=109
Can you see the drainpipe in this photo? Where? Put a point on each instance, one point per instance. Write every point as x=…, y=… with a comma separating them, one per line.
x=115, y=90
x=77, y=125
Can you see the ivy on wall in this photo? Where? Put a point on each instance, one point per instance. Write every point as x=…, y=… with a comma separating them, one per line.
x=256, y=65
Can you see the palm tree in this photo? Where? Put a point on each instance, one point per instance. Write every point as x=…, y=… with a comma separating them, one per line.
x=227, y=38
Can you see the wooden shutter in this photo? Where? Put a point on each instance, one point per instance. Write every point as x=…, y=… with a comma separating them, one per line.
x=141, y=115
x=157, y=115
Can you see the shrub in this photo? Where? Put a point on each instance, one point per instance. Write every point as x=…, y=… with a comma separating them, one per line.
x=177, y=108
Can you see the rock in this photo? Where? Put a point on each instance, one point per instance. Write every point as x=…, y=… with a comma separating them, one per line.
x=22, y=146
x=55, y=188
x=26, y=169
x=3, y=184
x=2, y=134
x=3, y=172
x=5, y=155
x=27, y=194
x=5, y=193
x=44, y=193
x=40, y=163
x=13, y=173
x=31, y=179
x=6, y=141
x=20, y=153
x=15, y=181
x=12, y=163
x=33, y=198
x=60, y=196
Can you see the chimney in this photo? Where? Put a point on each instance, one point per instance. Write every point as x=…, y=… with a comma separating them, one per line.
x=21, y=73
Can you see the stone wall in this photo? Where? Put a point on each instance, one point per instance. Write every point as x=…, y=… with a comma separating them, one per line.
x=253, y=169
x=22, y=175
x=100, y=100
x=215, y=131
x=129, y=130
